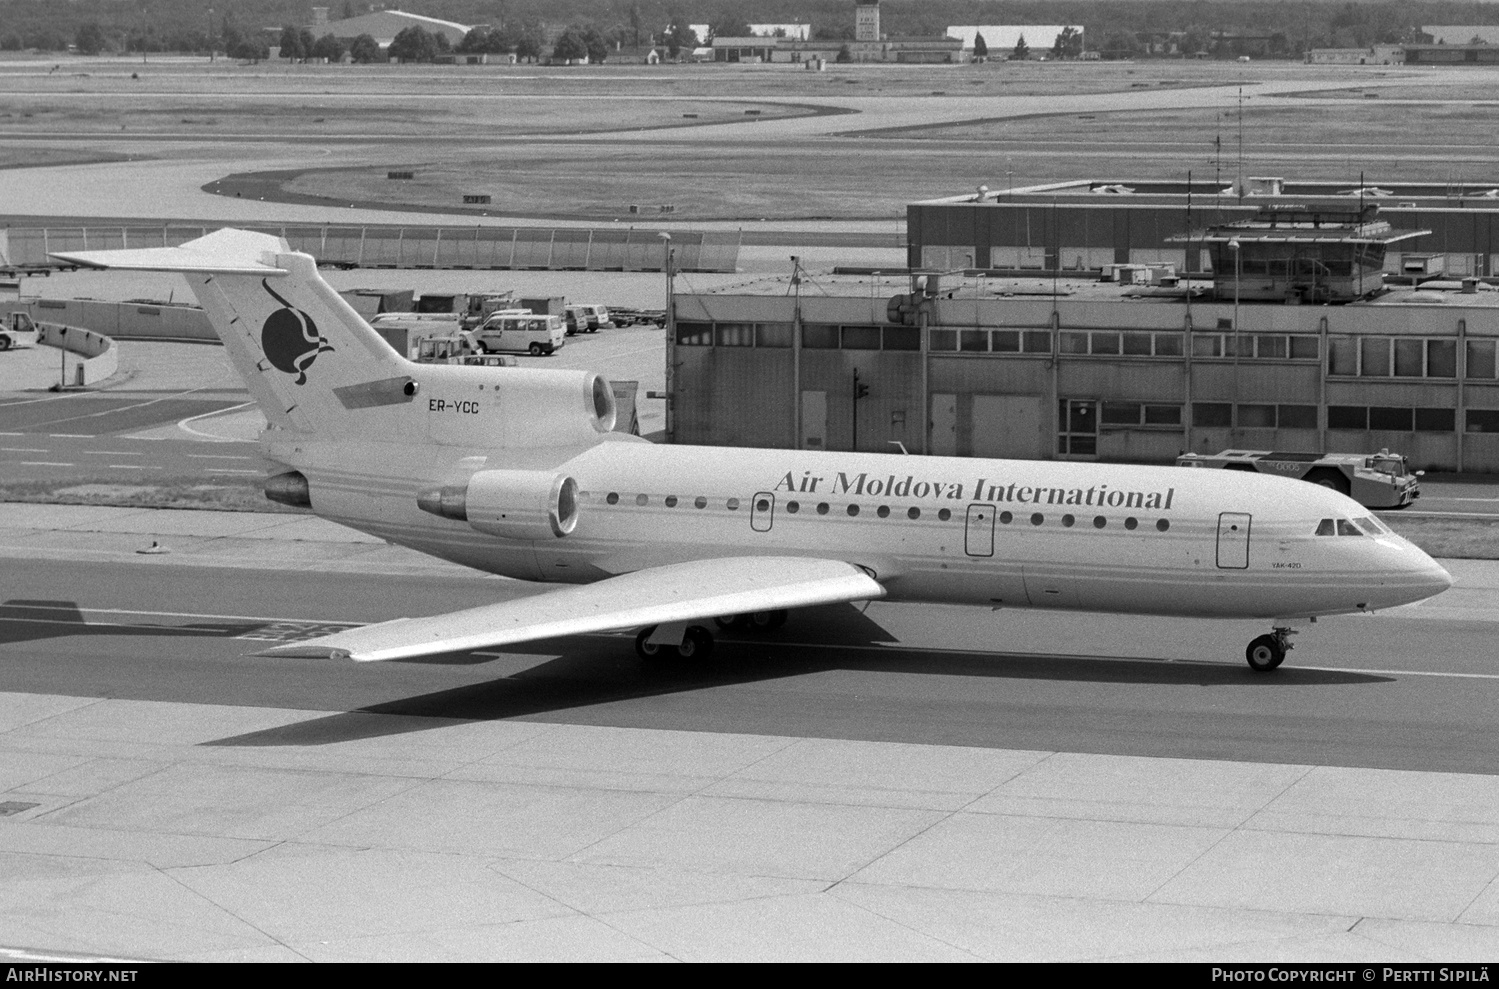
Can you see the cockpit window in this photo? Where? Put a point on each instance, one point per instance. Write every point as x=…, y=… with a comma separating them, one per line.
x=1347, y=528
x=1371, y=526
x=1327, y=528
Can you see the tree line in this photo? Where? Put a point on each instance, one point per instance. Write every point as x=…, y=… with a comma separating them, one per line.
x=1115, y=27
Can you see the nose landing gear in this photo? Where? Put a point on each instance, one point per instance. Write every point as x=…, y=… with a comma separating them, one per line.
x=1267, y=652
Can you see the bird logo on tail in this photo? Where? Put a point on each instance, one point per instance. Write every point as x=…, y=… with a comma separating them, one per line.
x=290, y=338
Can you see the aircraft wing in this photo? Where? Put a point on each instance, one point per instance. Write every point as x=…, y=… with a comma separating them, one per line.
x=674, y=593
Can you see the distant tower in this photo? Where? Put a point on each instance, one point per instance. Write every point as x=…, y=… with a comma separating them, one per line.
x=319, y=16
x=867, y=20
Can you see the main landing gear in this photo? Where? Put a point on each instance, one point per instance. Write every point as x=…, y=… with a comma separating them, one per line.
x=695, y=642
x=1267, y=652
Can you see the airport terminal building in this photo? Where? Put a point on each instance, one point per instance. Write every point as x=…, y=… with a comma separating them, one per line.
x=1139, y=368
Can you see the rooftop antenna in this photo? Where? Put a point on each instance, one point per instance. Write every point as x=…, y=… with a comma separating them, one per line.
x=1241, y=143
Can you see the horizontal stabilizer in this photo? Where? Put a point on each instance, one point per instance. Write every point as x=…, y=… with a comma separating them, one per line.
x=223, y=252
x=676, y=593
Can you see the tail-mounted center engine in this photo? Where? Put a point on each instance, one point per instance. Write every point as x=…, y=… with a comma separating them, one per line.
x=515, y=504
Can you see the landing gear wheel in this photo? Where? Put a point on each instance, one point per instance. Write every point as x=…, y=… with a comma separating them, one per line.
x=766, y=621
x=649, y=650
x=730, y=622
x=535, y=350
x=1265, y=653
x=697, y=644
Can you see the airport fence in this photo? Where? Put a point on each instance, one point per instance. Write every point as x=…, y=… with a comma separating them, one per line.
x=499, y=248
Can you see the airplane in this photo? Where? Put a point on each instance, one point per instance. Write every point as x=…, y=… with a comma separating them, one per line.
x=518, y=472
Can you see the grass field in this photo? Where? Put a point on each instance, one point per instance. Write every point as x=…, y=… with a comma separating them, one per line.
x=522, y=134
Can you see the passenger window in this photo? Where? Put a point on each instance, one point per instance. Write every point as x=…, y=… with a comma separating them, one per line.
x=671, y=501
x=944, y=515
x=1131, y=523
x=700, y=502
x=1099, y=521
x=1006, y=518
x=853, y=510
x=1067, y=521
x=913, y=513
x=1037, y=519
x=613, y=498
x=763, y=505
x=641, y=499
x=1347, y=528
x=792, y=507
x=1326, y=528
x=733, y=504
x=822, y=508
x=1162, y=525
x=883, y=512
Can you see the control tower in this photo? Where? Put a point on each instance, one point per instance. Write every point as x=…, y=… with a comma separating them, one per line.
x=867, y=20
x=1300, y=252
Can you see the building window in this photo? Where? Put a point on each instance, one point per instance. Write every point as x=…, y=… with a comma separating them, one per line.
x=1204, y=345
x=694, y=334
x=1168, y=344
x=1271, y=347
x=1409, y=359
x=1037, y=341
x=1074, y=343
x=1483, y=420
x=861, y=338
x=773, y=334
x=1163, y=415
x=1106, y=343
x=1342, y=356
x=1441, y=358
x=1304, y=348
x=1257, y=416
x=819, y=336
x=1374, y=357
x=944, y=340
x=1348, y=417
x=1394, y=419
x=1137, y=344
x=902, y=338
x=1297, y=416
x=1212, y=414
x=973, y=341
x=1481, y=360
x=1436, y=420
x=1121, y=415
x=1006, y=341
x=734, y=334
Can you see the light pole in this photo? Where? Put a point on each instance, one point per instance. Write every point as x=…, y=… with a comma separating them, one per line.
x=210, y=34
x=1233, y=245
x=671, y=337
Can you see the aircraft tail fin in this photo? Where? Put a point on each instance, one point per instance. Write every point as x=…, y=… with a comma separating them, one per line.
x=306, y=356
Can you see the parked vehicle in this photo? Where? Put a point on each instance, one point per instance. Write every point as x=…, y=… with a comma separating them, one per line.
x=1379, y=480
x=17, y=328
x=520, y=333
x=593, y=317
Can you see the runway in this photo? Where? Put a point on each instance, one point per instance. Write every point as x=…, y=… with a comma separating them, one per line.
x=904, y=783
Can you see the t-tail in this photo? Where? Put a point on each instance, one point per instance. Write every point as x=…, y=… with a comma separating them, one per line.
x=315, y=367
x=304, y=353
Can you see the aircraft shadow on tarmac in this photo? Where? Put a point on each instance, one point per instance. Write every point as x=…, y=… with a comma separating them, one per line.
x=25, y=620
x=593, y=671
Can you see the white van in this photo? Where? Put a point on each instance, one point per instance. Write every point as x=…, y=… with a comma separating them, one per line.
x=520, y=333
x=591, y=319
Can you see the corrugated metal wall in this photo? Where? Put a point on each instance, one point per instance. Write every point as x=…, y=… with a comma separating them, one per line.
x=536, y=248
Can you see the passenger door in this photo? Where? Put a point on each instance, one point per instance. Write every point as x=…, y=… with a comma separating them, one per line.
x=1233, y=541
x=762, y=511
x=978, y=539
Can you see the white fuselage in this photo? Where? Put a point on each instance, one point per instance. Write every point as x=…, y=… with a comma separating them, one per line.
x=1097, y=537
